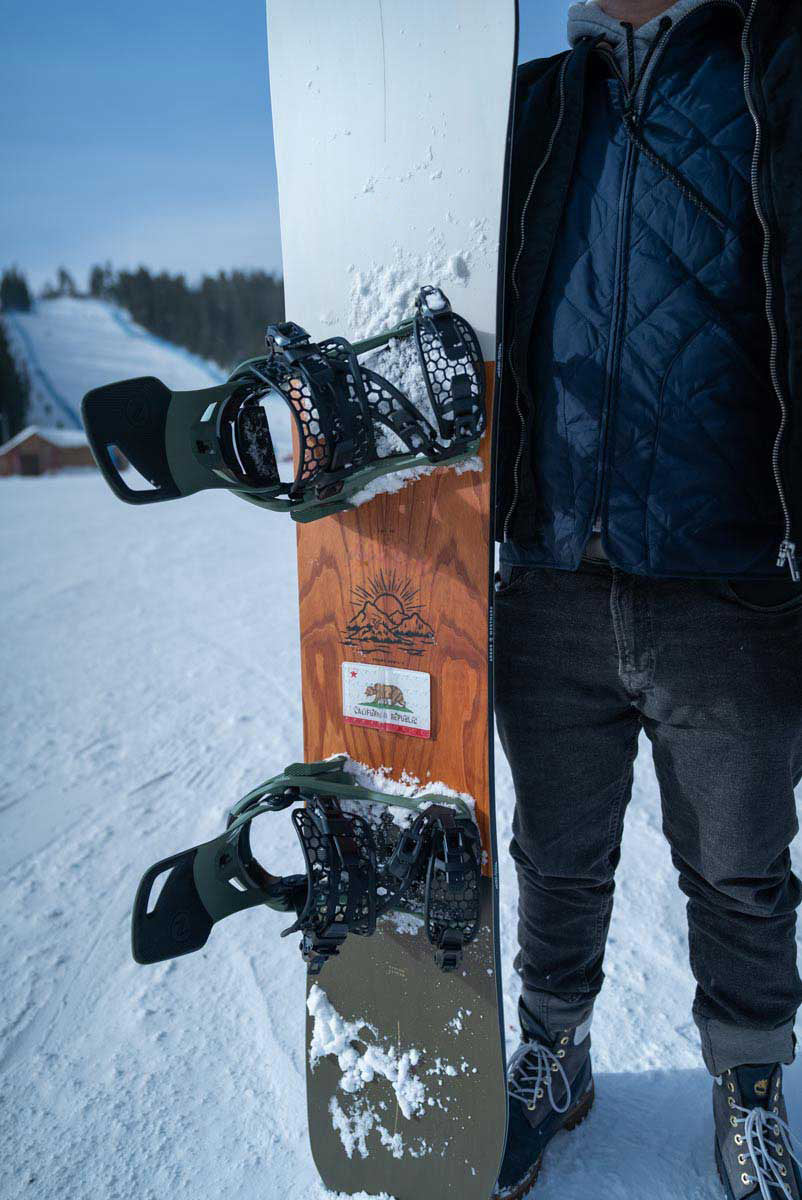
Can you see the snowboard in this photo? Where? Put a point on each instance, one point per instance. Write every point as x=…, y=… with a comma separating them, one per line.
x=391, y=124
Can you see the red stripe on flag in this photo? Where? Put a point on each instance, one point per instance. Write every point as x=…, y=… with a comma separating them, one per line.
x=389, y=727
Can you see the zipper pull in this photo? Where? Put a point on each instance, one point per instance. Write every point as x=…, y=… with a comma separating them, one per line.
x=788, y=555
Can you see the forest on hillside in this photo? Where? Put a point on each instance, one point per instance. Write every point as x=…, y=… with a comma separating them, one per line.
x=223, y=317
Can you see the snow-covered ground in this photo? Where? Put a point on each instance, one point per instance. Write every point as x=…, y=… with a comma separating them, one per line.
x=69, y=346
x=151, y=673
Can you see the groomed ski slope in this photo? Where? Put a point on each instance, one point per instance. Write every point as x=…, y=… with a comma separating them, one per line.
x=151, y=673
x=68, y=346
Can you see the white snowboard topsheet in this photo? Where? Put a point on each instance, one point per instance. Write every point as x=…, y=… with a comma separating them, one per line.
x=381, y=190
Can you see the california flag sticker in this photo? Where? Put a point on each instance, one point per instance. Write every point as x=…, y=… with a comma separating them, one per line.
x=387, y=698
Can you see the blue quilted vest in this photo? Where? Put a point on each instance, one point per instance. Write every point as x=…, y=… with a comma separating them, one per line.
x=654, y=417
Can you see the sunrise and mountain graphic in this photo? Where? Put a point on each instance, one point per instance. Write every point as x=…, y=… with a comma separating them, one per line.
x=387, y=616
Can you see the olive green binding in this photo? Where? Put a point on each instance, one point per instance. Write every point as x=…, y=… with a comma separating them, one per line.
x=129, y=413
x=212, y=881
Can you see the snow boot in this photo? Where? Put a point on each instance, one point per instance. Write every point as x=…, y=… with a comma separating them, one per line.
x=755, y=1152
x=550, y=1088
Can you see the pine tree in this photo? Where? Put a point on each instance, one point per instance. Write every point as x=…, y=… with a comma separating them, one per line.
x=14, y=391
x=14, y=292
x=66, y=283
x=101, y=280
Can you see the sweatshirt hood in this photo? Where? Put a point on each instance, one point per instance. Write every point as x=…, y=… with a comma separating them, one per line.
x=589, y=20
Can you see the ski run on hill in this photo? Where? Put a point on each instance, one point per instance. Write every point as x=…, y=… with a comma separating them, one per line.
x=152, y=676
x=68, y=346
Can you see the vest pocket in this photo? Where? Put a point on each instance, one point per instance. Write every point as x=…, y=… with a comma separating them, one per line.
x=710, y=502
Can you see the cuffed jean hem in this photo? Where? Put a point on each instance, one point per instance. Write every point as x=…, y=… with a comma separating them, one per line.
x=543, y=1015
x=726, y=1046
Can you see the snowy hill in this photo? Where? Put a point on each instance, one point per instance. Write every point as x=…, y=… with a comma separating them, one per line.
x=69, y=346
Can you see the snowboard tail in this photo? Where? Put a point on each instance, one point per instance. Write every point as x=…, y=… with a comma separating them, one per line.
x=420, y=558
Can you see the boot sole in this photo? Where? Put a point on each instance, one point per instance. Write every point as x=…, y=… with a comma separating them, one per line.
x=572, y=1119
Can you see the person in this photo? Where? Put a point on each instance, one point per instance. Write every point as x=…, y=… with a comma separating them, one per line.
x=649, y=496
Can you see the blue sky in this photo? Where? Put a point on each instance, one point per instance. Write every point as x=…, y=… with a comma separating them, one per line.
x=140, y=132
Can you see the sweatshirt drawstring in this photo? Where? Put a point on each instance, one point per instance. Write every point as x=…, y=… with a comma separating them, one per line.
x=629, y=30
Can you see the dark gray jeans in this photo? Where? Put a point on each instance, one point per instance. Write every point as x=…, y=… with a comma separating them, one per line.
x=584, y=661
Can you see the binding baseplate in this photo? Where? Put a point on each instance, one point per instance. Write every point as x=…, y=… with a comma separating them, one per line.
x=353, y=874
x=185, y=442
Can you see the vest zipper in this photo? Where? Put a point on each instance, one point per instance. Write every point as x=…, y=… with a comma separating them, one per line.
x=787, y=551
x=613, y=359
x=517, y=294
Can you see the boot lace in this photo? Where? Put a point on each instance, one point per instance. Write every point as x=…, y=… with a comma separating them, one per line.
x=531, y=1076
x=767, y=1139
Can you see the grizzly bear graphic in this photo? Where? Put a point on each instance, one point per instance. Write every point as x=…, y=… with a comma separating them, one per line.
x=386, y=695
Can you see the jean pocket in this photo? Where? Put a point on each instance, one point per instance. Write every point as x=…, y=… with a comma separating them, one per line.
x=512, y=578
x=768, y=599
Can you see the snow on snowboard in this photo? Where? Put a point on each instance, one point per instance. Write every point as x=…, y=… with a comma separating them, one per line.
x=391, y=127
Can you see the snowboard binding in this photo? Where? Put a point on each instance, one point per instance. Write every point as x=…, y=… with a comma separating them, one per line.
x=353, y=877
x=345, y=416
